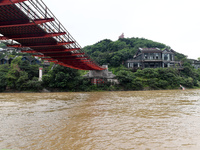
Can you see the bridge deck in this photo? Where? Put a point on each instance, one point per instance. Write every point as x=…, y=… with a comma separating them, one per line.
x=34, y=28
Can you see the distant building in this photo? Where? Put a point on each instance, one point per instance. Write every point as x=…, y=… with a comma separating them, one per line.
x=195, y=63
x=101, y=76
x=153, y=58
x=5, y=60
x=31, y=60
x=46, y=63
x=121, y=36
x=10, y=49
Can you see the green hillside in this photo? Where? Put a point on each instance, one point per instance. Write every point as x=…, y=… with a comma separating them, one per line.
x=115, y=53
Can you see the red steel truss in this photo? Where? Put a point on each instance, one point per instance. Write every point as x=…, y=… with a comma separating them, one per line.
x=34, y=28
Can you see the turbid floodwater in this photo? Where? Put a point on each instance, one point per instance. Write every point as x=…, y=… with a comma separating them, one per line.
x=140, y=120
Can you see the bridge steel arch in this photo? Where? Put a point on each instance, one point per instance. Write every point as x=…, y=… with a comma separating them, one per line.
x=35, y=29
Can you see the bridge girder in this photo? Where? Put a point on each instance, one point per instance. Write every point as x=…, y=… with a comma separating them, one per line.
x=25, y=23
x=43, y=33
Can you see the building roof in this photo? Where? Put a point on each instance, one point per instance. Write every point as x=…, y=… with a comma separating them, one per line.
x=169, y=50
x=6, y=58
x=147, y=50
x=150, y=50
x=29, y=58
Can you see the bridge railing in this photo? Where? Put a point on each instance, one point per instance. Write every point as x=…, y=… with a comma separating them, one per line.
x=36, y=9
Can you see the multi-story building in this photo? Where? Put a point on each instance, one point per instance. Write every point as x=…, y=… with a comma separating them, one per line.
x=153, y=58
x=195, y=63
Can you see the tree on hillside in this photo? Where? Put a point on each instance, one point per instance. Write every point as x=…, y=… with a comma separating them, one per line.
x=62, y=77
x=3, y=73
x=32, y=70
x=13, y=75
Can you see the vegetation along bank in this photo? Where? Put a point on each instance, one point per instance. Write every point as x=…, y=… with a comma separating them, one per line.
x=21, y=75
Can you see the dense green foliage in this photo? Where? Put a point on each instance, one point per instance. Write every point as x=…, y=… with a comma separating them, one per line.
x=67, y=79
x=22, y=76
x=62, y=77
x=3, y=73
x=159, y=78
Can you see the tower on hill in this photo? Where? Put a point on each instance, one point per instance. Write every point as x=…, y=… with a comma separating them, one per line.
x=121, y=36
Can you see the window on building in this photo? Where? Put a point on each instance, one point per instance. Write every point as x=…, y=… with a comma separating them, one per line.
x=135, y=65
x=165, y=56
x=145, y=55
x=146, y=65
x=131, y=65
x=151, y=65
x=165, y=65
x=156, y=56
x=151, y=56
x=171, y=57
x=171, y=64
x=157, y=65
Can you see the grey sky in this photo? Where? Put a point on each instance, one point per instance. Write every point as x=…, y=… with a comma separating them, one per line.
x=175, y=23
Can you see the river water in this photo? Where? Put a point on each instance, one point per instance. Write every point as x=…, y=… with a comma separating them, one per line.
x=141, y=120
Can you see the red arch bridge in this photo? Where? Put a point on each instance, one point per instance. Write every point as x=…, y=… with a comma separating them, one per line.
x=33, y=28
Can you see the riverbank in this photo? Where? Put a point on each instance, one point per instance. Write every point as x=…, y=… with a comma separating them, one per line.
x=94, y=90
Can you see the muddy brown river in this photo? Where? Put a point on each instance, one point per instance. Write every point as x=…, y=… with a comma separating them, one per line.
x=140, y=120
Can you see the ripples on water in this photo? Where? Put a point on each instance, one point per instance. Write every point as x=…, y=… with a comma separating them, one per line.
x=146, y=120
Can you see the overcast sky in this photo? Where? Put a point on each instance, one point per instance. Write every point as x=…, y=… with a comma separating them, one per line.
x=175, y=23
